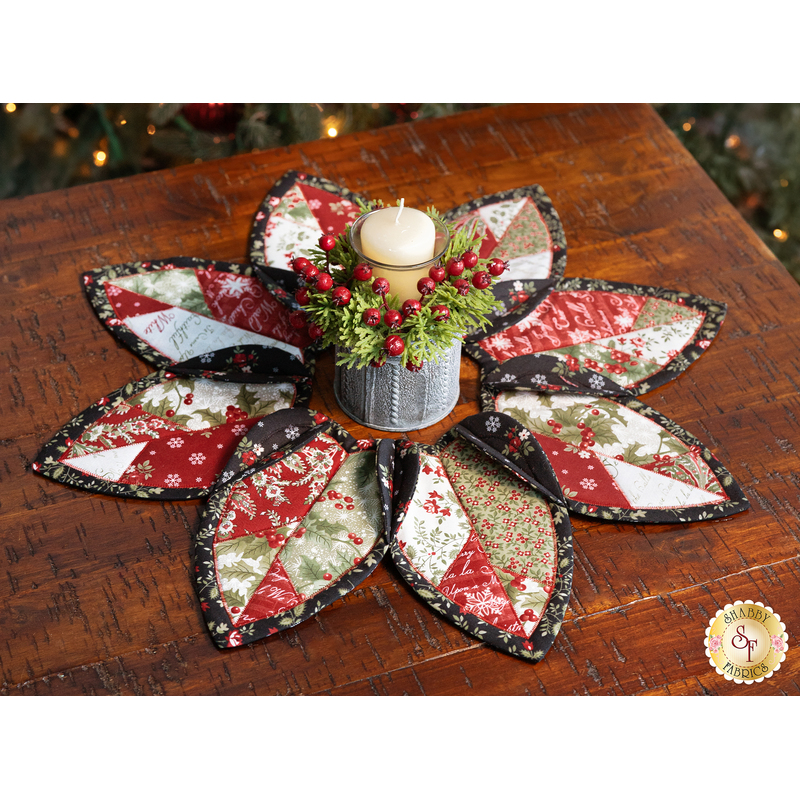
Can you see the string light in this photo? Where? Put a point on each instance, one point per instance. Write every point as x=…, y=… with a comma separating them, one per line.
x=123, y=122
x=99, y=157
x=54, y=109
x=332, y=132
x=151, y=129
x=687, y=126
x=784, y=182
x=780, y=235
x=11, y=107
x=732, y=142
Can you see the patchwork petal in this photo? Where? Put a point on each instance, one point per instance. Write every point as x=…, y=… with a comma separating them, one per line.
x=618, y=459
x=521, y=227
x=173, y=310
x=292, y=530
x=166, y=436
x=641, y=336
x=479, y=539
x=298, y=210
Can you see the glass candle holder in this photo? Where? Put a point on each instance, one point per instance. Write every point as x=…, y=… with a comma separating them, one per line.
x=402, y=278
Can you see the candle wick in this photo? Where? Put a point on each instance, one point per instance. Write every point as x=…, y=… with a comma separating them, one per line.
x=400, y=211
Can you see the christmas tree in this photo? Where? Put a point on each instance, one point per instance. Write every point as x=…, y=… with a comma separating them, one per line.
x=53, y=146
x=751, y=151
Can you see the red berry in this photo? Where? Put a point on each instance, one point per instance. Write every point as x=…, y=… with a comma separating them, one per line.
x=235, y=610
x=300, y=263
x=315, y=332
x=455, y=266
x=426, y=286
x=412, y=367
x=341, y=296
x=371, y=317
x=410, y=307
x=324, y=282
x=392, y=318
x=440, y=313
x=481, y=280
x=394, y=345
x=311, y=273
x=298, y=319
x=302, y=296
x=437, y=273
x=551, y=422
x=470, y=259
x=187, y=401
x=462, y=286
x=363, y=272
x=594, y=411
x=497, y=266
x=327, y=242
x=380, y=286
x=169, y=412
x=327, y=576
x=580, y=425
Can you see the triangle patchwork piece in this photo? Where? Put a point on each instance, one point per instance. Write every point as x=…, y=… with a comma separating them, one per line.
x=294, y=523
x=297, y=211
x=110, y=464
x=503, y=565
x=173, y=310
x=617, y=458
x=166, y=436
x=522, y=228
x=640, y=336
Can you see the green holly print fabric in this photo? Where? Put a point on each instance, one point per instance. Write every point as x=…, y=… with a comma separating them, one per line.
x=619, y=459
x=513, y=525
x=166, y=436
x=288, y=537
x=482, y=537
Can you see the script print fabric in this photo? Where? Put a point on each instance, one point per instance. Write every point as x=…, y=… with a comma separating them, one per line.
x=173, y=310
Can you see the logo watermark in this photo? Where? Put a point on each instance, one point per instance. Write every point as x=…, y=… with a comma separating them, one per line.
x=746, y=642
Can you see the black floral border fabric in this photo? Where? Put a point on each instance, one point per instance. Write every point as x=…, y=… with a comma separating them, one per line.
x=47, y=460
x=287, y=432
x=713, y=311
x=93, y=283
x=497, y=435
x=509, y=446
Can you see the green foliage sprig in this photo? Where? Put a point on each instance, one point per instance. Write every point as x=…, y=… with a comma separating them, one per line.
x=425, y=337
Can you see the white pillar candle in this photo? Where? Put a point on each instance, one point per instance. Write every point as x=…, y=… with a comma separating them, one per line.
x=400, y=237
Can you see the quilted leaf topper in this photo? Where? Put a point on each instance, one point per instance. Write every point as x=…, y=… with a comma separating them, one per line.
x=299, y=512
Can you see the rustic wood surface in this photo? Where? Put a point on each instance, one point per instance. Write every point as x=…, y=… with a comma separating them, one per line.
x=97, y=596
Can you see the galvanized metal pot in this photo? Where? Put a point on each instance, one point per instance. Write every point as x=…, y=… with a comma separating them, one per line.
x=390, y=398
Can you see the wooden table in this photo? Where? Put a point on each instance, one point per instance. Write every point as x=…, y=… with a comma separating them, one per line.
x=97, y=595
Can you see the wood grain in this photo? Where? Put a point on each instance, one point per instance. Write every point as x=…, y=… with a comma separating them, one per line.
x=97, y=596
